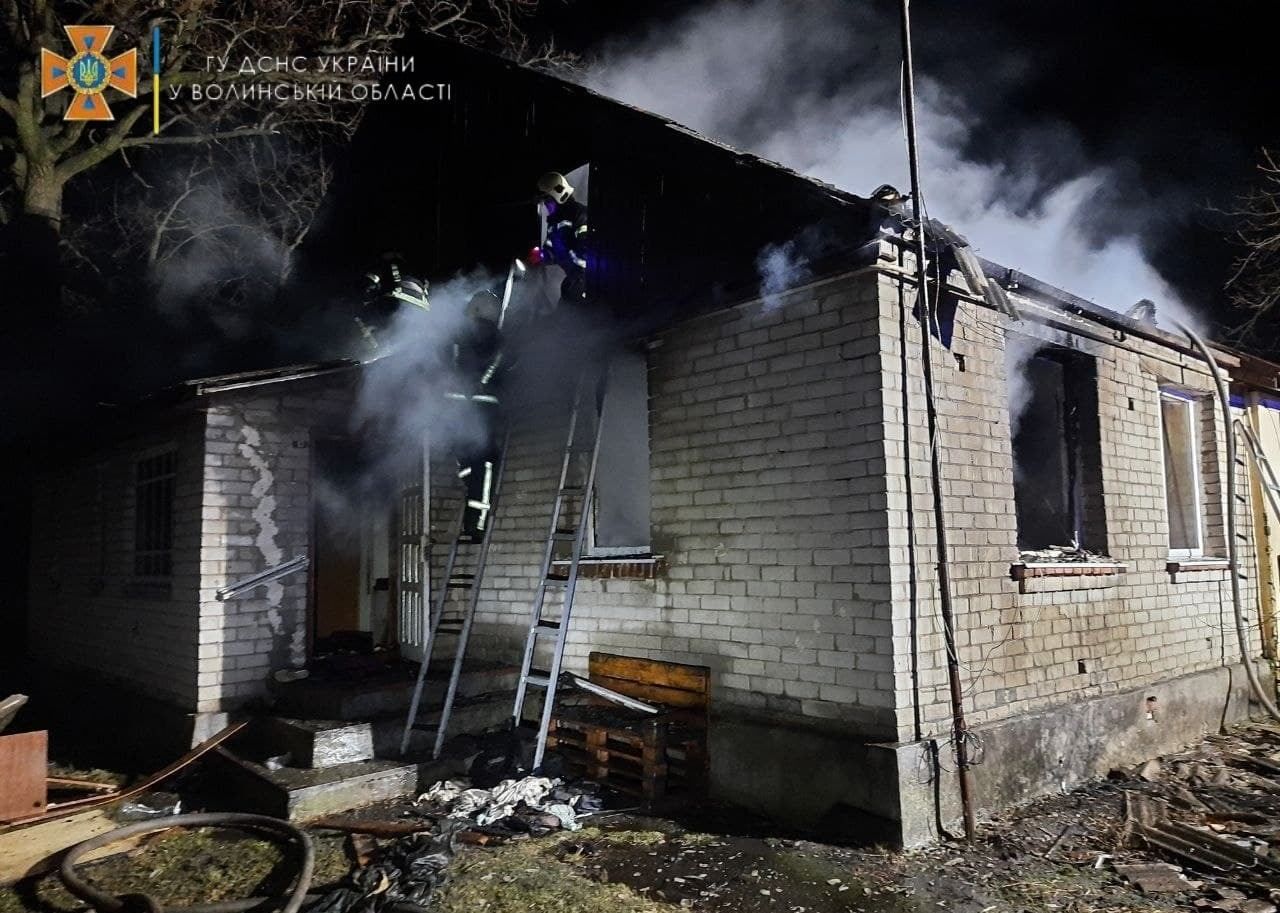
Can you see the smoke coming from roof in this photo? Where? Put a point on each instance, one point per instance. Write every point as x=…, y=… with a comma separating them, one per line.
x=814, y=86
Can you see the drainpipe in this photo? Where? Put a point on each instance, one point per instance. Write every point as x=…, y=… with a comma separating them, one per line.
x=960, y=732
x=1242, y=632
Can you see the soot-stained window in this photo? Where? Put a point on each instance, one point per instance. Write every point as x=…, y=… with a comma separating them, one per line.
x=1056, y=451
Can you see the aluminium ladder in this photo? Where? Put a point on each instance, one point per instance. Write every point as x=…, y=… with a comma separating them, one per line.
x=1266, y=473
x=581, y=442
x=452, y=580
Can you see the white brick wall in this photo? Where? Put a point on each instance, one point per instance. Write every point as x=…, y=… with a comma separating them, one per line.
x=256, y=513
x=1021, y=651
x=769, y=502
x=87, y=609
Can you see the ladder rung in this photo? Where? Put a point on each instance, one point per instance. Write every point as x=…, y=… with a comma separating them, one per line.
x=538, y=679
x=552, y=578
x=546, y=625
x=459, y=585
x=564, y=535
x=572, y=490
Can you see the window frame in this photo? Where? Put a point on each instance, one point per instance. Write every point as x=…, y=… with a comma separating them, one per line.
x=1190, y=404
x=165, y=478
x=637, y=550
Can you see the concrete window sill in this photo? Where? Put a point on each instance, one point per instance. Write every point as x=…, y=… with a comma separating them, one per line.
x=649, y=567
x=1023, y=571
x=1176, y=566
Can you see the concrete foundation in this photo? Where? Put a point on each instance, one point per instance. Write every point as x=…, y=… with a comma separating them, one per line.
x=886, y=792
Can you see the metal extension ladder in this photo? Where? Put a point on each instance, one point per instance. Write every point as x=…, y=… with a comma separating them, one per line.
x=1266, y=474
x=453, y=580
x=581, y=442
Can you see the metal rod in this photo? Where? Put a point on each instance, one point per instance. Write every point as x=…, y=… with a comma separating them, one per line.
x=960, y=731
x=243, y=585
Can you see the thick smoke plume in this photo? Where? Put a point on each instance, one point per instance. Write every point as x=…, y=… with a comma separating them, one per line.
x=814, y=86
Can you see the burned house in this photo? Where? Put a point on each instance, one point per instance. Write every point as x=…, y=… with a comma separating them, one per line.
x=764, y=496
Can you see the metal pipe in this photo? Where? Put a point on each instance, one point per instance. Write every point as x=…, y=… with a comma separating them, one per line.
x=243, y=585
x=1242, y=633
x=960, y=732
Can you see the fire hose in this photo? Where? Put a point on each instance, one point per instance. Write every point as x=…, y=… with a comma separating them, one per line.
x=105, y=902
x=1242, y=632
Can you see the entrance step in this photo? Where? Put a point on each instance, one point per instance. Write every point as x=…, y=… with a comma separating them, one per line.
x=334, y=699
x=471, y=715
x=297, y=794
x=317, y=743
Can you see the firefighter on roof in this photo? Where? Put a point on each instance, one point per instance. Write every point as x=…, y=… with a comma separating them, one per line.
x=386, y=289
x=567, y=234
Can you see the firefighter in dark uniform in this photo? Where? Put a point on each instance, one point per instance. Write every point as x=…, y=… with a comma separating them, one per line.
x=567, y=235
x=386, y=289
x=479, y=361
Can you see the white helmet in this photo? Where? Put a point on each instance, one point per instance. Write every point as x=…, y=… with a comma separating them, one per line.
x=554, y=185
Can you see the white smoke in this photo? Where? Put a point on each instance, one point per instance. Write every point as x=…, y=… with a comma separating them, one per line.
x=767, y=76
x=780, y=268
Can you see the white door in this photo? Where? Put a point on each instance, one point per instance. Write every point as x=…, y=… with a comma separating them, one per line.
x=414, y=565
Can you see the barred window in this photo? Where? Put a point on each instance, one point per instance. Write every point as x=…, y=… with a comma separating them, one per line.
x=153, y=516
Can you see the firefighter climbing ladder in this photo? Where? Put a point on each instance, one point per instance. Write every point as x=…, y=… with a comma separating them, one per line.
x=451, y=580
x=582, y=444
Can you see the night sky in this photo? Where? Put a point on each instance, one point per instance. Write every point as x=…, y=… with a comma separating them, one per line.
x=1177, y=97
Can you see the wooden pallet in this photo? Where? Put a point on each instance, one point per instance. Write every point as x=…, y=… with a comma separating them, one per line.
x=643, y=756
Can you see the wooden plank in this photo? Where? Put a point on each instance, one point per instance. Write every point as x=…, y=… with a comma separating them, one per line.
x=69, y=808
x=677, y=676
x=70, y=783
x=24, y=764
x=32, y=850
x=672, y=697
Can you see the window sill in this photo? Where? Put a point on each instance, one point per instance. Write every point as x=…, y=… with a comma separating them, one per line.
x=1023, y=571
x=648, y=567
x=1176, y=566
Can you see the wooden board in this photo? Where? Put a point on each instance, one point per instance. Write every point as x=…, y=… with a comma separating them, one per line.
x=68, y=808
x=675, y=676
x=24, y=763
x=34, y=849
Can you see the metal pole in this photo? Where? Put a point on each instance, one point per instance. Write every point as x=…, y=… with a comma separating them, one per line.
x=959, y=730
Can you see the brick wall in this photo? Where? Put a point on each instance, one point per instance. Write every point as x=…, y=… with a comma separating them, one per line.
x=1065, y=638
x=257, y=504
x=769, y=503
x=88, y=610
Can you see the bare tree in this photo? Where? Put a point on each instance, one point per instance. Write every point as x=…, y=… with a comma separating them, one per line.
x=41, y=154
x=1254, y=284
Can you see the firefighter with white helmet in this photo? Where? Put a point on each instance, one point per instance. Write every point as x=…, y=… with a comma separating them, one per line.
x=387, y=288
x=567, y=234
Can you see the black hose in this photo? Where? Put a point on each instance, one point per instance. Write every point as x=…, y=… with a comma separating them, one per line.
x=110, y=903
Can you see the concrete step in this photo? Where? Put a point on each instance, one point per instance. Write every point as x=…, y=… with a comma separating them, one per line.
x=316, y=743
x=297, y=794
x=471, y=716
x=358, y=701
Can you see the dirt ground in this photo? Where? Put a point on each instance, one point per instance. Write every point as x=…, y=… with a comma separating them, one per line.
x=1058, y=854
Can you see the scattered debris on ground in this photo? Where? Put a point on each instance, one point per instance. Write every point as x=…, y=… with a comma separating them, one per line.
x=1194, y=831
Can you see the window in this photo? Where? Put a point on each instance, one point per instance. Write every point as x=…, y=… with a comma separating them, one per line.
x=153, y=516
x=1183, y=475
x=620, y=521
x=1057, y=479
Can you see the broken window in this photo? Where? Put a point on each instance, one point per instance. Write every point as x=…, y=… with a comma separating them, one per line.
x=1057, y=456
x=620, y=521
x=153, y=515
x=1183, y=474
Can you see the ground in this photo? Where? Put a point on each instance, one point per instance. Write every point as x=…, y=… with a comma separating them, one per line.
x=1058, y=853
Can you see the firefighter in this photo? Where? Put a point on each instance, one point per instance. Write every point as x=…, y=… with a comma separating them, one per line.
x=479, y=362
x=386, y=289
x=567, y=234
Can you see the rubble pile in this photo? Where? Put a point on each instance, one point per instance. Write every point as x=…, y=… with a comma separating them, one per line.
x=1204, y=824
